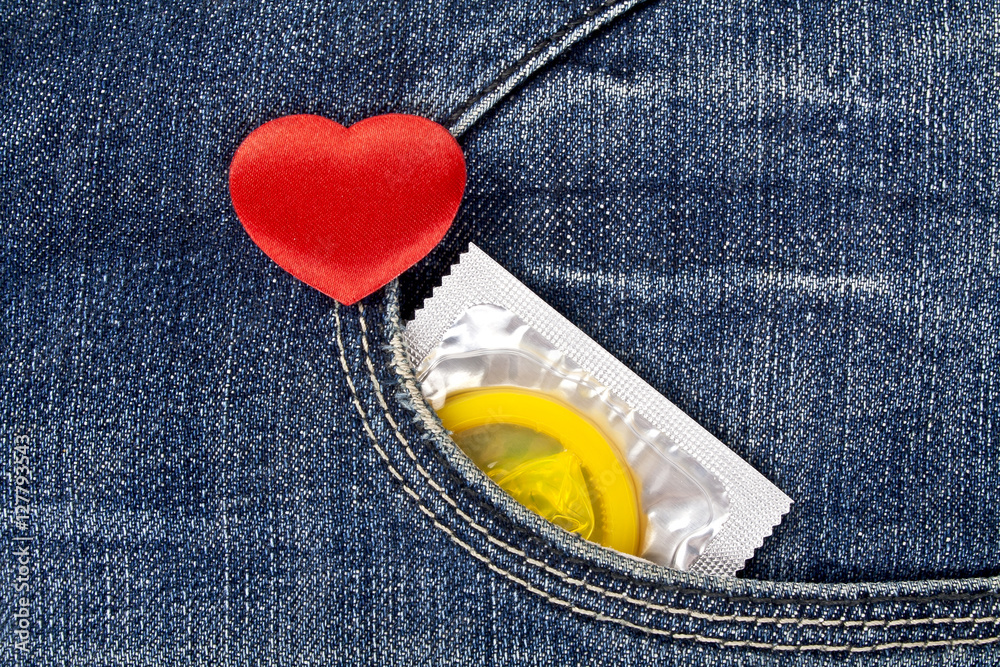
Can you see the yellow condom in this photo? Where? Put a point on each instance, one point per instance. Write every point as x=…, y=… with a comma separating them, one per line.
x=551, y=459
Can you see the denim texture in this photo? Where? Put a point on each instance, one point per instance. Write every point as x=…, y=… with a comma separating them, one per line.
x=782, y=215
x=787, y=222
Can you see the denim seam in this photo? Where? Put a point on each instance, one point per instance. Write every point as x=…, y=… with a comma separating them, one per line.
x=951, y=620
x=541, y=53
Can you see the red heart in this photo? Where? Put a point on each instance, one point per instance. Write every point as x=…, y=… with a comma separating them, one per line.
x=346, y=210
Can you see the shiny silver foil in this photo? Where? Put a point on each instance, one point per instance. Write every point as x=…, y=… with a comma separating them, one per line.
x=706, y=509
x=489, y=346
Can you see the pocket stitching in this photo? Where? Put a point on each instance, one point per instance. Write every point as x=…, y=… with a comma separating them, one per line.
x=717, y=618
x=537, y=56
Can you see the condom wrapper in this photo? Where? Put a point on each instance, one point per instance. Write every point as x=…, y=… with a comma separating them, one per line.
x=571, y=433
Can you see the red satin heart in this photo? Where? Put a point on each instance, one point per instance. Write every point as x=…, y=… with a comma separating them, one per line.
x=346, y=210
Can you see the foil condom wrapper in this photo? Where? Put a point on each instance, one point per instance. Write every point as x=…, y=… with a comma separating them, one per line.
x=701, y=508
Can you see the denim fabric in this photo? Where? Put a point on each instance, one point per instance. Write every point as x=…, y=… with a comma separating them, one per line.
x=787, y=222
x=783, y=216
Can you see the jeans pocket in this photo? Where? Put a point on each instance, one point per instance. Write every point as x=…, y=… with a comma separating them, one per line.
x=591, y=584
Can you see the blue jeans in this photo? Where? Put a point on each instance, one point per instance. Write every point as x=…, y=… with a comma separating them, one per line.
x=783, y=216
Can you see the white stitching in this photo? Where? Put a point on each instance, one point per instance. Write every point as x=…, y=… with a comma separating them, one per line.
x=596, y=615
